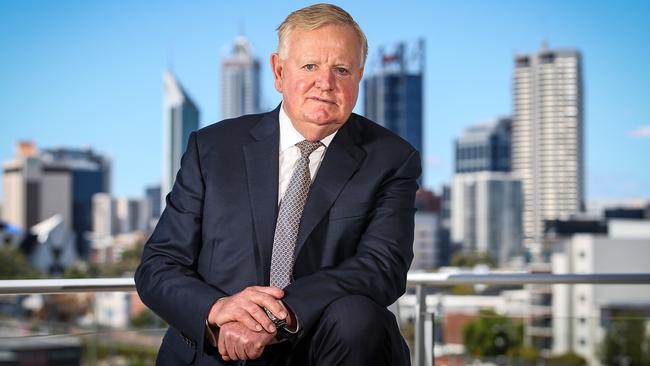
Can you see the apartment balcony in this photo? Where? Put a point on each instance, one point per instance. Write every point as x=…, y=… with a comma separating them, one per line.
x=102, y=322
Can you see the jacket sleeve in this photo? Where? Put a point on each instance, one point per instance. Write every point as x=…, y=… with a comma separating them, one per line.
x=167, y=279
x=383, y=256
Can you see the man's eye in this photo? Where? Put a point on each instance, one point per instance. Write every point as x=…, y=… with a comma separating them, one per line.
x=342, y=71
x=310, y=67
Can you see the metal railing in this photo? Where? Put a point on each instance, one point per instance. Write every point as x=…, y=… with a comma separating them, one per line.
x=420, y=281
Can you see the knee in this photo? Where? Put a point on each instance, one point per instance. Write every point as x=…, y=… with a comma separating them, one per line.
x=353, y=319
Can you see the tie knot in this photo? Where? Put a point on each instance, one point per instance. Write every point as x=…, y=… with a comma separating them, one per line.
x=308, y=147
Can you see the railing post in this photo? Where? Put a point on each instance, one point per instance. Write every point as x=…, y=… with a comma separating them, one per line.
x=420, y=315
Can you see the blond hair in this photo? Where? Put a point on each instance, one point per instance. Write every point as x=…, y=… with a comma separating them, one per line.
x=317, y=16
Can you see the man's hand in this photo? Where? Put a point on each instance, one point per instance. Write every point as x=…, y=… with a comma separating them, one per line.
x=237, y=342
x=246, y=307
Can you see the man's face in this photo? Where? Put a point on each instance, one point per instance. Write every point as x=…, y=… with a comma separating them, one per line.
x=319, y=78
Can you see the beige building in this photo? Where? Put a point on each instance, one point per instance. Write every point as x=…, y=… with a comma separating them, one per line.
x=547, y=137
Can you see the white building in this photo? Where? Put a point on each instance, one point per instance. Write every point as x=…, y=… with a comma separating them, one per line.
x=547, y=137
x=578, y=309
x=104, y=215
x=424, y=241
x=486, y=213
x=240, y=73
x=180, y=118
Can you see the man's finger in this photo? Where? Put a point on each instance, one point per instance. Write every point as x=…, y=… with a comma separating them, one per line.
x=260, y=318
x=221, y=345
x=276, y=292
x=270, y=303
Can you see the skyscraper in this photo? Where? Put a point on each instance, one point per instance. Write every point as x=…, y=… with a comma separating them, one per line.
x=393, y=96
x=181, y=117
x=240, y=73
x=547, y=137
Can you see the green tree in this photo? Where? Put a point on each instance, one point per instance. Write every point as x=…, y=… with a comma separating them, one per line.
x=492, y=335
x=14, y=265
x=625, y=342
x=566, y=359
x=470, y=259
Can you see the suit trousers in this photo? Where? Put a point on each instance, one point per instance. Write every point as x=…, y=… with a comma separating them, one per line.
x=353, y=330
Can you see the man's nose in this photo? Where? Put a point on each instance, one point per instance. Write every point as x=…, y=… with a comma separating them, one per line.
x=325, y=79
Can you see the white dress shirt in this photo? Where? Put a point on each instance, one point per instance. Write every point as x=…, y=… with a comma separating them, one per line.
x=290, y=153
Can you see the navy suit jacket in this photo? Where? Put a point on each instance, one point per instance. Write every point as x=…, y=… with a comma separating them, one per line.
x=215, y=236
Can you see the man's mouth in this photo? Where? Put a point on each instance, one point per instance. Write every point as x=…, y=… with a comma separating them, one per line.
x=324, y=100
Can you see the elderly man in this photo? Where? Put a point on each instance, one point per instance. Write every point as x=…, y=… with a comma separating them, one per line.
x=287, y=233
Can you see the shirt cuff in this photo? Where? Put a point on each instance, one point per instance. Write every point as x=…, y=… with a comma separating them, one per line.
x=209, y=335
x=296, y=328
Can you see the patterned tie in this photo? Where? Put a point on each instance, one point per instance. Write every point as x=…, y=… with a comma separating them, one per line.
x=286, y=228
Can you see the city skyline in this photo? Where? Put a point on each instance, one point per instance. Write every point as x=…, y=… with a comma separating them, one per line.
x=91, y=75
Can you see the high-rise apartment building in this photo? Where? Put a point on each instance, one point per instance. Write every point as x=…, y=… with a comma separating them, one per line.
x=394, y=95
x=240, y=73
x=180, y=118
x=547, y=137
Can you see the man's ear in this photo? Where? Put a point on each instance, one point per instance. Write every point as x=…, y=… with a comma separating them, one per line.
x=276, y=67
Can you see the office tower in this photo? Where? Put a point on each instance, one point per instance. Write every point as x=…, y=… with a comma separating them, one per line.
x=39, y=185
x=91, y=174
x=393, y=96
x=240, y=80
x=180, y=118
x=485, y=196
x=152, y=195
x=547, y=137
x=486, y=214
x=485, y=147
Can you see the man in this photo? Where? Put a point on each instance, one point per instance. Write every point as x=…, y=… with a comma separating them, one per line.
x=288, y=233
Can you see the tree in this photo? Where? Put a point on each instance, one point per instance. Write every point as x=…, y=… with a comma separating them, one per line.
x=471, y=259
x=625, y=342
x=492, y=335
x=14, y=265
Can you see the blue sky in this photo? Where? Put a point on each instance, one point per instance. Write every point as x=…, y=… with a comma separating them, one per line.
x=89, y=73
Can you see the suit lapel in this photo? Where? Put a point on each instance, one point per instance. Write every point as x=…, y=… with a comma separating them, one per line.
x=341, y=160
x=261, y=157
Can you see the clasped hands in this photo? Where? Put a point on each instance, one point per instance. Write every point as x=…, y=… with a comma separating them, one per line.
x=244, y=327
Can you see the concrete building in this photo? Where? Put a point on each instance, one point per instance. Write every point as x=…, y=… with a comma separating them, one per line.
x=393, y=96
x=485, y=147
x=180, y=118
x=580, y=311
x=486, y=214
x=425, y=242
x=547, y=137
x=240, y=85
x=61, y=181
x=104, y=216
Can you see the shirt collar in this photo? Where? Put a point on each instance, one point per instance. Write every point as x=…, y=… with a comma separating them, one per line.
x=289, y=136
